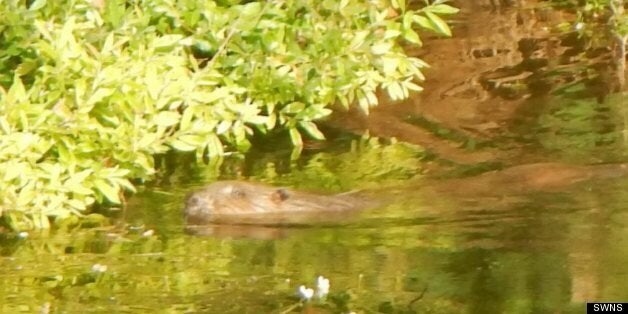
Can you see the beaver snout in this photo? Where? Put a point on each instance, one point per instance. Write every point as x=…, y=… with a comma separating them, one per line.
x=197, y=208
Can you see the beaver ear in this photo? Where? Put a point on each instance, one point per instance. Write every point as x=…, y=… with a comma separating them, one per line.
x=279, y=195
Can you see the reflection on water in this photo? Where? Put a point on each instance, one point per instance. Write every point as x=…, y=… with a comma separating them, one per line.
x=518, y=244
x=532, y=252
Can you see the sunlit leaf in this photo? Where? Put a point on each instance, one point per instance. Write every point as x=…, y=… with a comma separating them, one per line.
x=167, y=40
x=37, y=4
x=395, y=91
x=412, y=86
x=391, y=33
x=411, y=36
x=167, y=118
x=439, y=25
x=293, y=108
x=381, y=48
x=16, y=93
x=182, y=146
x=311, y=129
x=214, y=146
x=110, y=192
x=442, y=9
x=99, y=95
x=223, y=127
x=295, y=137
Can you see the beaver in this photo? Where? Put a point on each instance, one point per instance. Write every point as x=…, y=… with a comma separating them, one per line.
x=255, y=203
x=240, y=202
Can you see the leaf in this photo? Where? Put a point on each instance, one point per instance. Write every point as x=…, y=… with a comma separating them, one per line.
x=154, y=83
x=76, y=204
x=78, y=179
x=439, y=24
x=125, y=183
x=37, y=4
x=390, y=65
x=108, y=45
x=402, y=5
x=371, y=97
x=442, y=9
x=395, y=91
x=110, y=192
x=166, y=118
x=343, y=4
x=218, y=93
x=272, y=121
x=293, y=108
x=114, y=12
x=187, y=142
x=5, y=126
x=214, y=146
x=181, y=145
x=381, y=48
x=312, y=130
x=41, y=221
x=16, y=93
x=99, y=95
x=147, y=141
x=423, y=22
x=167, y=41
x=411, y=36
x=248, y=15
x=223, y=127
x=295, y=137
x=314, y=112
x=26, y=196
x=363, y=101
x=186, y=118
x=67, y=35
x=26, y=67
x=418, y=62
x=410, y=85
x=392, y=33
x=358, y=39
x=13, y=170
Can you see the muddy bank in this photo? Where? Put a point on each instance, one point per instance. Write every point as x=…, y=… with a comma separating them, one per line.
x=504, y=65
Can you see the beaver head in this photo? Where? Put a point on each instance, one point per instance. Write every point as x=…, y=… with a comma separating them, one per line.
x=226, y=198
x=237, y=202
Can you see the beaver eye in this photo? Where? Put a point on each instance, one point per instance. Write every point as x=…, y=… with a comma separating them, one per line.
x=283, y=194
x=193, y=200
x=238, y=193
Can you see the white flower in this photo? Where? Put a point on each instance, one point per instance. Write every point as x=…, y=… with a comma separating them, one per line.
x=148, y=233
x=97, y=268
x=578, y=26
x=306, y=293
x=322, y=286
x=23, y=235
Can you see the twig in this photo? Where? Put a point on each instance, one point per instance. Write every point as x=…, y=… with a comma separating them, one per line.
x=417, y=298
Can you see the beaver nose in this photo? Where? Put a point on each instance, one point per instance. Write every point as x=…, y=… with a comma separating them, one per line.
x=196, y=205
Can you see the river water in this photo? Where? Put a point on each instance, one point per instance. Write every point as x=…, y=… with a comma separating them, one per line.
x=522, y=94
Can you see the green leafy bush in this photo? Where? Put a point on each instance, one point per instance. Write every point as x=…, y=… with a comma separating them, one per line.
x=90, y=91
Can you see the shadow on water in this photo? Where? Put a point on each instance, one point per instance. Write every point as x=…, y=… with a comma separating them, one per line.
x=454, y=235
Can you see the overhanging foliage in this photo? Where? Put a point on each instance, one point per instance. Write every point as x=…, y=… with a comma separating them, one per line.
x=93, y=89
